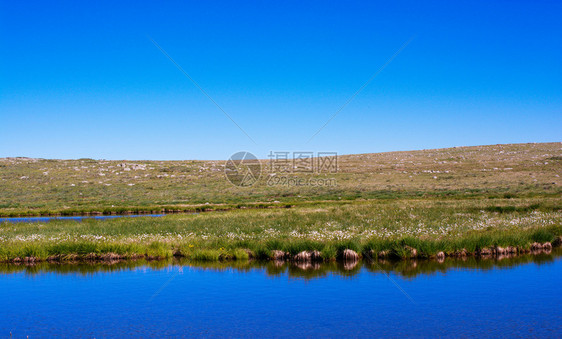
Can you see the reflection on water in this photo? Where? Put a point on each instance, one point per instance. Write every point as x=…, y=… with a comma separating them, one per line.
x=307, y=270
x=471, y=298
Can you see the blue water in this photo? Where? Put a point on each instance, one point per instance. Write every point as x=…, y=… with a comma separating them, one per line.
x=468, y=299
x=77, y=218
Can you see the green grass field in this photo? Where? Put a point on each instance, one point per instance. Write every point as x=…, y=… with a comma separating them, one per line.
x=434, y=200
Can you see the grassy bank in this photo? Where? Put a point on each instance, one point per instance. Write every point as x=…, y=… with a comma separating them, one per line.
x=367, y=227
x=455, y=200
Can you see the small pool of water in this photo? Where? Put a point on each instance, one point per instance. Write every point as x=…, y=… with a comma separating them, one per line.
x=77, y=218
x=472, y=298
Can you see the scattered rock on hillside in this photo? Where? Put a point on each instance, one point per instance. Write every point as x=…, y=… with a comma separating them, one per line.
x=302, y=256
x=278, y=255
x=500, y=250
x=485, y=251
x=536, y=246
x=308, y=256
x=315, y=256
x=511, y=250
x=350, y=255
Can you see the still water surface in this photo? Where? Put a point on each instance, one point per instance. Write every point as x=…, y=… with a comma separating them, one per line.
x=511, y=297
x=75, y=218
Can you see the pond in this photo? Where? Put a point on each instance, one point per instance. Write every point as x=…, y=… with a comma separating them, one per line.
x=510, y=297
x=76, y=218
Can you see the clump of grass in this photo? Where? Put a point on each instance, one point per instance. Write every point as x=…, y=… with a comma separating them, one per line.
x=329, y=252
x=261, y=251
x=542, y=235
x=32, y=250
x=240, y=254
x=206, y=255
x=274, y=244
x=158, y=250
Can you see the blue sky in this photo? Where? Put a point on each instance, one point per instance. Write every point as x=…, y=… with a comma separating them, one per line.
x=83, y=79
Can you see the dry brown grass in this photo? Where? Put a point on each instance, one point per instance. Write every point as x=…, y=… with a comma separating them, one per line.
x=496, y=171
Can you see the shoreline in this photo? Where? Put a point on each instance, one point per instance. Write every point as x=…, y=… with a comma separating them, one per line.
x=124, y=211
x=306, y=270
x=304, y=257
x=418, y=196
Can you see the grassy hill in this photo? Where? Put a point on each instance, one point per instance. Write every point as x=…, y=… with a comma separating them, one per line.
x=44, y=186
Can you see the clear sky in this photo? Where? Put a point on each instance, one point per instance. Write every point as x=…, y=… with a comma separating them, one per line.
x=83, y=79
